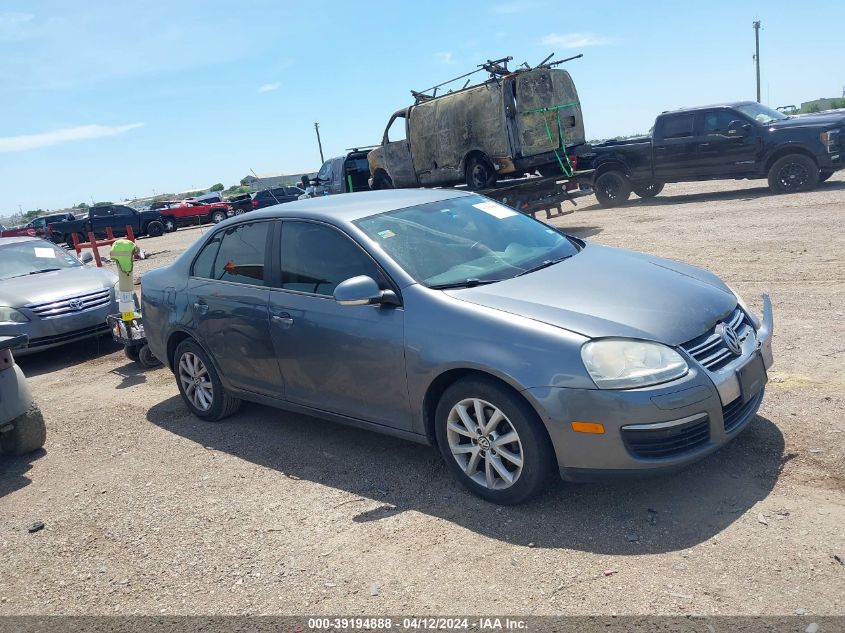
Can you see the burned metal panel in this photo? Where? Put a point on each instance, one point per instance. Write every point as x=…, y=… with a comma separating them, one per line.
x=444, y=130
x=546, y=88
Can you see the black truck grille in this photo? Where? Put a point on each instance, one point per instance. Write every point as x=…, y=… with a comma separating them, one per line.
x=668, y=442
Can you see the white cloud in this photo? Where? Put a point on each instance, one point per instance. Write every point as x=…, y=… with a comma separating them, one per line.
x=574, y=40
x=63, y=135
x=269, y=87
x=446, y=58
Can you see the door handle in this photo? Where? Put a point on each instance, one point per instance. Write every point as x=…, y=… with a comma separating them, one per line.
x=704, y=144
x=283, y=320
x=202, y=308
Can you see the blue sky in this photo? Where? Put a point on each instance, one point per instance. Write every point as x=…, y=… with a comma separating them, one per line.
x=104, y=100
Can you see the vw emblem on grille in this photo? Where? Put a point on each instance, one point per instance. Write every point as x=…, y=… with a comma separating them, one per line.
x=75, y=304
x=729, y=338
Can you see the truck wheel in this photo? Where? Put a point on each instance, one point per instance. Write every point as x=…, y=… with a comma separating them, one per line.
x=169, y=225
x=479, y=173
x=612, y=188
x=792, y=173
x=146, y=357
x=28, y=433
x=825, y=174
x=218, y=216
x=648, y=189
x=155, y=229
x=382, y=181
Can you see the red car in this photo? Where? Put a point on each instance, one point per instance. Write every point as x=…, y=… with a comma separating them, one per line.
x=190, y=212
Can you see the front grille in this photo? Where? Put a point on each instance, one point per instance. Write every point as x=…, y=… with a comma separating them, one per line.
x=710, y=350
x=668, y=442
x=64, y=337
x=735, y=414
x=72, y=305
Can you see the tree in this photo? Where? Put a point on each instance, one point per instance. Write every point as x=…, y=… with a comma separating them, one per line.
x=81, y=205
x=102, y=204
x=218, y=187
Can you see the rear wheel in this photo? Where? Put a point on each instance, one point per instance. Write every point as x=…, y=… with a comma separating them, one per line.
x=825, y=174
x=28, y=433
x=793, y=173
x=612, y=188
x=479, y=173
x=218, y=216
x=200, y=385
x=493, y=441
x=647, y=189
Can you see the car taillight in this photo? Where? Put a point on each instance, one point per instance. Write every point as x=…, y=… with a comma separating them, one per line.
x=255, y=203
x=573, y=160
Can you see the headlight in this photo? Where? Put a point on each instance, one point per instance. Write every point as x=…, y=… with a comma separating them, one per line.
x=625, y=363
x=745, y=308
x=10, y=315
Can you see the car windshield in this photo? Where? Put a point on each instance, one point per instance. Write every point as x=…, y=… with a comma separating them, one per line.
x=32, y=257
x=466, y=241
x=761, y=113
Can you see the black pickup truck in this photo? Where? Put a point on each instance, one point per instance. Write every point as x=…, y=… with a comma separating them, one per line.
x=115, y=216
x=728, y=141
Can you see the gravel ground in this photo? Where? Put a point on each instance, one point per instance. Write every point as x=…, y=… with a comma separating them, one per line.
x=148, y=510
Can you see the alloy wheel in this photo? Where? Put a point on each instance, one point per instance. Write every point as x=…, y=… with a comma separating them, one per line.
x=484, y=443
x=195, y=381
x=793, y=176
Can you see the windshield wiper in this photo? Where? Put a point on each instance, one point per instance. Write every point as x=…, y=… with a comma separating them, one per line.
x=546, y=263
x=43, y=270
x=472, y=282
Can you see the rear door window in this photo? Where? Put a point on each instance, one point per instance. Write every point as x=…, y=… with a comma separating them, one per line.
x=236, y=254
x=678, y=126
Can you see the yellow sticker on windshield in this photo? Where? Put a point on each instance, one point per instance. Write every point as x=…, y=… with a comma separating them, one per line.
x=495, y=209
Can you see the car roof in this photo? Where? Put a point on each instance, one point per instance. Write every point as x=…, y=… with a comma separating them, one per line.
x=22, y=238
x=353, y=206
x=714, y=106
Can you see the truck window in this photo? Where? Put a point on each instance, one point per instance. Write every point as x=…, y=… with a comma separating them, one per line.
x=325, y=172
x=396, y=131
x=678, y=125
x=122, y=211
x=717, y=121
x=100, y=212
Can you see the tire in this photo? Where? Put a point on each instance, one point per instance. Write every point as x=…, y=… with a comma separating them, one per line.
x=824, y=174
x=170, y=225
x=239, y=211
x=532, y=445
x=218, y=216
x=382, y=181
x=155, y=229
x=793, y=173
x=647, y=189
x=132, y=352
x=28, y=433
x=220, y=404
x=146, y=357
x=612, y=188
x=479, y=172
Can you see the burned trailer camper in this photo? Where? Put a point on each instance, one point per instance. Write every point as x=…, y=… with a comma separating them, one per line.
x=517, y=121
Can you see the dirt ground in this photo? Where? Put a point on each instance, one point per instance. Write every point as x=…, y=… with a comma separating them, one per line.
x=148, y=510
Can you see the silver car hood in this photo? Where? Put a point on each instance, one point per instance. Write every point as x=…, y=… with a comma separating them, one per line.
x=58, y=284
x=605, y=291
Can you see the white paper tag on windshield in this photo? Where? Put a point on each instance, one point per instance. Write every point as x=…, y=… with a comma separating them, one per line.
x=45, y=252
x=495, y=209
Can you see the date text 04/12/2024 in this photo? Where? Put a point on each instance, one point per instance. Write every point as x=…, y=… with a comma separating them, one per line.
x=418, y=623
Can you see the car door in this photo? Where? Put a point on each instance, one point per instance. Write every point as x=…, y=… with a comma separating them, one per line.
x=101, y=217
x=724, y=150
x=123, y=217
x=397, y=151
x=228, y=307
x=348, y=360
x=674, y=147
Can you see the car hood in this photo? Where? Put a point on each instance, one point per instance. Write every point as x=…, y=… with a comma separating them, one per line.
x=58, y=284
x=809, y=120
x=605, y=291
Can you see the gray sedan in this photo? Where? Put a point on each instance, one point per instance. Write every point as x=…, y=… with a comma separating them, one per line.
x=49, y=295
x=449, y=319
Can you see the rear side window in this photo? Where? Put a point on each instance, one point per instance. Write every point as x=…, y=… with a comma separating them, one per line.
x=678, y=126
x=316, y=258
x=236, y=255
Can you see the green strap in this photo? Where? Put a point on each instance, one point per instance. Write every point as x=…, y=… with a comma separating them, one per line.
x=349, y=182
x=566, y=169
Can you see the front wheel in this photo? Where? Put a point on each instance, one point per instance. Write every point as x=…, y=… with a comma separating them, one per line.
x=612, y=188
x=793, y=173
x=493, y=442
x=648, y=189
x=28, y=433
x=218, y=216
x=200, y=385
x=155, y=229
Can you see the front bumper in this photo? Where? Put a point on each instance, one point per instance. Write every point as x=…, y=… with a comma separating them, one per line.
x=659, y=428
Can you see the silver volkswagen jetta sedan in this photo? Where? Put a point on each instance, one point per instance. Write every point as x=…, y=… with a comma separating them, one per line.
x=49, y=295
x=447, y=318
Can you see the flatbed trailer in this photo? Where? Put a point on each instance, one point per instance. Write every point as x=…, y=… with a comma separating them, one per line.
x=536, y=193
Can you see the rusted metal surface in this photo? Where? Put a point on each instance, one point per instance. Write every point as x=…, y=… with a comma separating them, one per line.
x=492, y=119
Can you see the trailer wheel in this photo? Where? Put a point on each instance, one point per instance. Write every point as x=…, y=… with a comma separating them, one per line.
x=648, y=189
x=28, y=433
x=146, y=358
x=612, y=188
x=479, y=172
x=155, y=229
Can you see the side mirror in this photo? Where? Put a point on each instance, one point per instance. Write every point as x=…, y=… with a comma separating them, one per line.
x=739, y=128
x=86, y=257
x=363, y=290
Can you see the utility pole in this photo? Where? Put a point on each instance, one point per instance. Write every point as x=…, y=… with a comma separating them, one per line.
x=319, y=142
x=756, y=25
